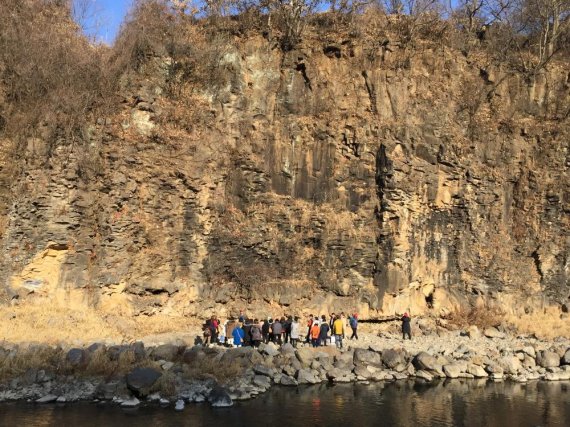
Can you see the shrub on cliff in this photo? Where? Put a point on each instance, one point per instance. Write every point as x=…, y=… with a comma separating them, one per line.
x=51, y=76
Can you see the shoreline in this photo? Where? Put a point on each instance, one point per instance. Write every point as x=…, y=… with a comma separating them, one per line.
x=178, y=374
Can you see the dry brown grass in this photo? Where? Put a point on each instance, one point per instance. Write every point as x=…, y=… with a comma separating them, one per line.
x=479, y=316
x=35, y=357
x=207, y=367
x=547, y=324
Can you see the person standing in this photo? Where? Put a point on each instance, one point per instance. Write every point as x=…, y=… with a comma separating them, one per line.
x=247, y=333
x=309, y=326
x=207, y=334
x=338, y=331
x=214, y=330
x=315, y=333
x=265, y=330
x=230, y=326
x=256, y=335
x=238, y=335
x=406, y=326
x=277, y=331
x=287, y=328
x=353, y=321
x=295, y=331
x=324, y=332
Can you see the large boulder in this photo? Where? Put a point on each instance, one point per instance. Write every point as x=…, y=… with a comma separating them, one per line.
x=548, y=359
x=566, y=358
x=366, y=357
x=453, y=370
x=477, y=371
x=494, y=368
x=393, y=357
x=363, y=371
x=77, y=357
x=288, y=381
x=264, y=370
x=141, y=380
x=510, y=364
x=193, y=355
x=220, y=398
x=425, y=361
x=344, y=361
x=304, y=376
x=262, y=381
x=167, y=352
x=305, y=355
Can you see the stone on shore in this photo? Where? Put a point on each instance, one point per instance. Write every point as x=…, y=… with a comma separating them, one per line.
x=548, y=359
x=425, y=361
x=167, y=352
x=130, y=403
x=493, y=332
x=305, y=376
x=453, y=370
x=366, y=357
x=220, y=398
x=566, y=358
x=288, y=381
x=141, y=380
x=77, y=357
x=393, y=357
x=49, y=398
x=179, y=406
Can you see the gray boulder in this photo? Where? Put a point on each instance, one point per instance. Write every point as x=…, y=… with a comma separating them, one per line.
x=477, y=371
x=141, y=380
x=47, y=399
x=566, y=358
x=77, y=357
x=304, y=376
x=288, y=381
x=393, y=357
x=287, y=349
x=510, y=364
x=263, y=370
x=270, y=349
x=305, y=355
x=425, y=361
x=167, y=352
x=220, y=398
x=366, y=357
x=453, y=370
x=494, y=368
x=425, y=375
x=262, y=381
x=548, y=359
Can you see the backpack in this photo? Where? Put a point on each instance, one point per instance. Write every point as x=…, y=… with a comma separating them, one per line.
x=255, y=334
x=353, y=322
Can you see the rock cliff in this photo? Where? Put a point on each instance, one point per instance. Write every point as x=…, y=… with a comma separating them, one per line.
x=337, y=176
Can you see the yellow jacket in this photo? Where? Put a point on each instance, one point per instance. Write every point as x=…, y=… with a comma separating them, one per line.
x=338, y=327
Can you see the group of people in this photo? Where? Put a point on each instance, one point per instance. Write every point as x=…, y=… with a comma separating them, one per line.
x=316, y=331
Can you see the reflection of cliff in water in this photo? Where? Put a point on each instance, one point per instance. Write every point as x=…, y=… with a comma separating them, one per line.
x=446, y=403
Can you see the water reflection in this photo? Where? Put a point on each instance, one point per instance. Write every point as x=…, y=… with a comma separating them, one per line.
x=447, y=403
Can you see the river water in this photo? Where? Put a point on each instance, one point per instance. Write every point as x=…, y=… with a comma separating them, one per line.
x=447, y=403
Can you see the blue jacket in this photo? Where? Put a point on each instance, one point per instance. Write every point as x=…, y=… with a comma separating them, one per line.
x=238, y=335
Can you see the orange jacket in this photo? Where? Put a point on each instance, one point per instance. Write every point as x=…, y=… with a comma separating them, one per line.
x=315, y=331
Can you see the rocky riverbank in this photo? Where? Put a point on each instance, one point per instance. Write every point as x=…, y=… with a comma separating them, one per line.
x=173, y=374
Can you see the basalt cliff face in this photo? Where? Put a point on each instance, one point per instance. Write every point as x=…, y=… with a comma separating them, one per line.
x=338, y=176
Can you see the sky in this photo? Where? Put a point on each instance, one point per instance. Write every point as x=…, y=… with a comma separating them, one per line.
x=101, y=19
